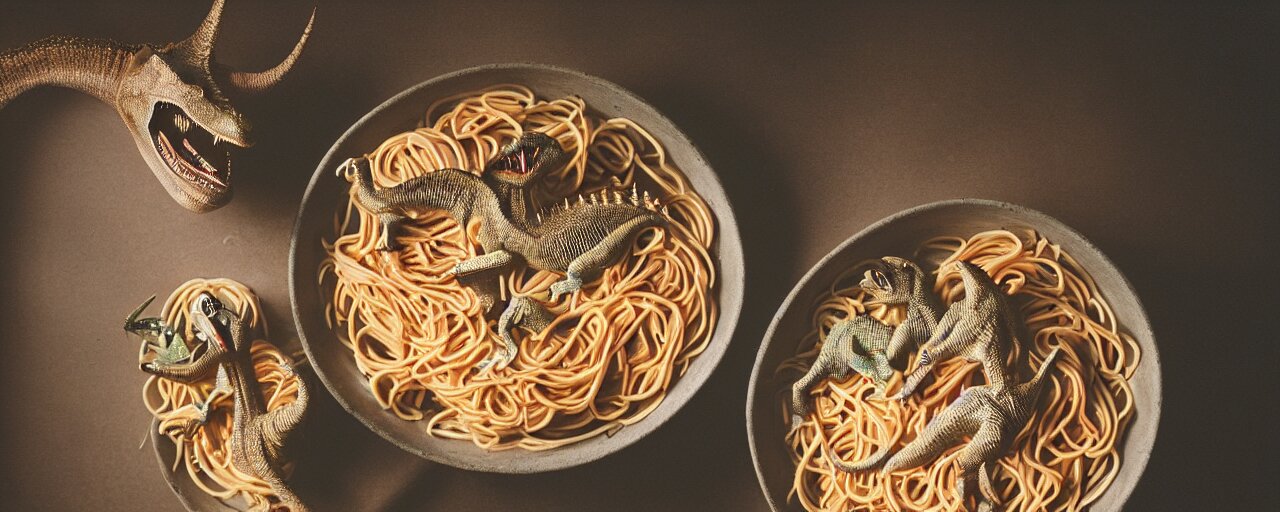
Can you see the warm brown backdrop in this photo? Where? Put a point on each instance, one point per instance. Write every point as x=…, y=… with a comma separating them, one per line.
x=1152, y=130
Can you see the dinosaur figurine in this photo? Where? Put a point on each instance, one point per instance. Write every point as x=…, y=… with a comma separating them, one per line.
x=991, y=415
x=170, y=97
x=578, y=240
x=857, y=344
x=894, y=281
x=981, y=327
x=258, y=436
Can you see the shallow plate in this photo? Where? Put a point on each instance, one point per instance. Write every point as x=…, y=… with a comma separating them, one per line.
x=900, y=234
x=326, y=193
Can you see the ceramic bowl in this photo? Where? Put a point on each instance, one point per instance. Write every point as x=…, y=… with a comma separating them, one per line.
x=900, y=234
x=326, y=193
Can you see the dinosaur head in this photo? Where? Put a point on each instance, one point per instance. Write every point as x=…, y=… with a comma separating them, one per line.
x=221, y=328
x=171, y=97
x=526, y=159
x=891, y=281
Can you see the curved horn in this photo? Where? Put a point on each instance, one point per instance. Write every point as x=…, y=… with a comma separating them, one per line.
x=263, y=80
x=201, y=42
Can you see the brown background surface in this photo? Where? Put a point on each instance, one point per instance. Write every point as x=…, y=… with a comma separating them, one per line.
x=1152, y=130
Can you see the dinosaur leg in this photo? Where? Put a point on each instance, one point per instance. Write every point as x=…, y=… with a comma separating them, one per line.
x=184, y=372
x=522, y=312
x=943, y=431
x=589, y=265
x=488, y=261
x=273, y=475
x=391, y=224
x=279, y=423
x=800, y=390
x=944, y=344
x=972, y=461
x=881, y=372
x=988, y=501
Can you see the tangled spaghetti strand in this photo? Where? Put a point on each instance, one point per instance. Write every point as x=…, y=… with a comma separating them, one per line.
x=614, y=347
x=203, y=451
x=1065, y=457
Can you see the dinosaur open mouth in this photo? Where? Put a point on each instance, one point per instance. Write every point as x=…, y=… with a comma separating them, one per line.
x=517, y=163
x=191, y=152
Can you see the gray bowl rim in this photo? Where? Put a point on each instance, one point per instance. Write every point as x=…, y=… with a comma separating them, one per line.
x=680, y=393
x=1141, y=454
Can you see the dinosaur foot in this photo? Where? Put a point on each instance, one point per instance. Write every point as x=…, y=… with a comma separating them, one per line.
x=566, y=286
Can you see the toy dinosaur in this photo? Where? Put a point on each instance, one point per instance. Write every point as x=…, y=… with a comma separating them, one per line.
x=981, y=327
x=857, y=344
x=258, y=436
x=578, y=240
x=991, y=415
x=169, y=96
x=894, y=281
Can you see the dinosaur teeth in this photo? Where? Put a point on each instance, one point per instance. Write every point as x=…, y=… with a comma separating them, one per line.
x=181, y=122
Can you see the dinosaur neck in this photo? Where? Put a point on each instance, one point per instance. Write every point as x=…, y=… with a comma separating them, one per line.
x=924, y=305
x=91, y=66
x=246, y=393
x=515, y=202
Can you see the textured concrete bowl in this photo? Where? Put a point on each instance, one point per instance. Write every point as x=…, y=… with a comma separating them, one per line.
x=326, y=193
x=900, y=234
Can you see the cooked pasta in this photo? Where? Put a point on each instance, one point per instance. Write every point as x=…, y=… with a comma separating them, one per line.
x=1066, y=456
x=614, y=347
x=202, y=451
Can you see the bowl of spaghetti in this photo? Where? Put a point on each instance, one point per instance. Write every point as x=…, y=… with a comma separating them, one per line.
x=196, y=460
x=401, y=343
x=1084, y=447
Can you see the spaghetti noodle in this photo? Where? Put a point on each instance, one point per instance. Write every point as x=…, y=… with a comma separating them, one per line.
x=1065, y=457
x=615, y=346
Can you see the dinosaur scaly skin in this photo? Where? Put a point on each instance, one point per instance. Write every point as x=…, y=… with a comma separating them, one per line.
x=258, y=436
x=578, y=240
x=981, y=327
x=991, y=415
x=167, y=96
x=894, y=281
x=856, y=344
x=518, y=166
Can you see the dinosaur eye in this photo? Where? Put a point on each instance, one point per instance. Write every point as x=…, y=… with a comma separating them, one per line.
x=880, y=279
x=210, y=306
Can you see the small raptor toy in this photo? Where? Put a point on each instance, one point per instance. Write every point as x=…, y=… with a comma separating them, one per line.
x=857, y=344
x=578, y=239
x=981, y=327
x=991, y=414
x=258, y=436
x=170, y=97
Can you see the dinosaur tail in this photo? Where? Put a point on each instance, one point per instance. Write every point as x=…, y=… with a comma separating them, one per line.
x=1038, y=379
x=874, y=461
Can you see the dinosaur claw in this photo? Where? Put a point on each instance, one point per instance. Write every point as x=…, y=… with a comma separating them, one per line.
x=565, y=287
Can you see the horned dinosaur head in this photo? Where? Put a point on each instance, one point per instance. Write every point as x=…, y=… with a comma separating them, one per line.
x=524, y=160
x=171, y=97
x=891, y=280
